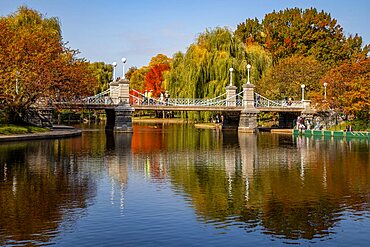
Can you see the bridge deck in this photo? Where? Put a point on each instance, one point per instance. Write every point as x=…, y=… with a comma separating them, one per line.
x=178, y=108
x=214, y=108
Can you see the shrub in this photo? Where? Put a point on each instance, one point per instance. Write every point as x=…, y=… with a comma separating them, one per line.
x=15, y=129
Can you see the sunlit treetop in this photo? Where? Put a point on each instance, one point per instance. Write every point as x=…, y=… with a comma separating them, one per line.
x=303, y=32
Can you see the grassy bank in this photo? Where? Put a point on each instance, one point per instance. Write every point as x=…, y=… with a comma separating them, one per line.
x=10, y=129
x=357, y=125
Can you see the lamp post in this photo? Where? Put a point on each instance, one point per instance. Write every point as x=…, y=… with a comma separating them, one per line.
x=325, y=85
x=302, y=86
x=114, y=64
x=123, y=66
x=16, y=82
x=248, y=68
x=16, y=85
x=231, y=76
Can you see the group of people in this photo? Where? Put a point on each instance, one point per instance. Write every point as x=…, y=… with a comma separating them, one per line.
x=303, y=124
x=149, y=100
x=288, y=101
x=218, y=119
x=300, y=123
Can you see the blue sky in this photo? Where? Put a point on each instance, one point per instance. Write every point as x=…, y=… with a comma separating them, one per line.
x=139, y=29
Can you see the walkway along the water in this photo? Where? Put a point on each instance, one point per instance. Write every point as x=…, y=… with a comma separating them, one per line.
x=56, y=132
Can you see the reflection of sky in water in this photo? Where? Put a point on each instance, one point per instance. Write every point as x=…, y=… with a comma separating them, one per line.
x=196, y=188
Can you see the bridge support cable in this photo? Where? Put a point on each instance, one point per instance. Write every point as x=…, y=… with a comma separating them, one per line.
x=176, y=101
x=217, y=101
x=261, y=101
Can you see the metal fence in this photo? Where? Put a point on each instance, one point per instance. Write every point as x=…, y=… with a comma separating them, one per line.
x=104, y=98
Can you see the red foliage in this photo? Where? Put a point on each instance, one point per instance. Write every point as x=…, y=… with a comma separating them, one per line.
x=347, y=88
x=154, y=78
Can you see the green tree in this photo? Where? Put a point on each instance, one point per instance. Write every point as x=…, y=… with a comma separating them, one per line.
x=287, y=76
x=203, y=71
x=305, y=32
x=137, y=79
x=159, y=59
x=250, y=32
x=130, y=71
x=103, y=73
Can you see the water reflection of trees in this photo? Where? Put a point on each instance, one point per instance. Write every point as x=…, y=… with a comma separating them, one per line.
x=41, y=185
x=45, y=186
x=293, y=188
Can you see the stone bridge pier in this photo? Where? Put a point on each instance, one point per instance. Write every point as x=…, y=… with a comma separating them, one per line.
x=246, y=120
x=231, y=119
x=119, y=119
x=248, y=115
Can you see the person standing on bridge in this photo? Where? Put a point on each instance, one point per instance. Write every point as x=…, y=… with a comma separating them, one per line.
x=258, y=100
x=150, y=95
x=161, y=98
x=166, y=96
x=145, y=101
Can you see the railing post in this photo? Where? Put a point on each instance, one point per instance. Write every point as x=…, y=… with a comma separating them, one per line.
x=113, y=92
x=306, y=104
x=231, y=96
x=248, y=96
x=124, y=91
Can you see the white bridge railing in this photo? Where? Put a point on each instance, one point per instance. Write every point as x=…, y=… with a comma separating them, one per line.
x=104, y=98
x=261, y=101
x=142, y=100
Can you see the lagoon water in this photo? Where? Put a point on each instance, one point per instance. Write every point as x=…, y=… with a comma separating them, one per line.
x=173, y=185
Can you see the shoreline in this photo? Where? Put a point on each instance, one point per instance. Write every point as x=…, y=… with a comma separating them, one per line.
x=160, y=120
x=64, y=131
x=55, y=133
x=214, y=126
x=282, y=131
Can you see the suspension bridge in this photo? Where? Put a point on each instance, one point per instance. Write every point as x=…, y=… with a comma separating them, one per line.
x=139, y=101
x=239, y=109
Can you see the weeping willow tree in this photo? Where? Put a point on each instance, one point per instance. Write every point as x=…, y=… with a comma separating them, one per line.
x=103, y=73
x=203, y=71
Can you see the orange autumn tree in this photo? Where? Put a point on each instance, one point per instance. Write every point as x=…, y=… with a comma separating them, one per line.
x=348, y=89
x=35, y=64
x=154, y=78
x=155, y=74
